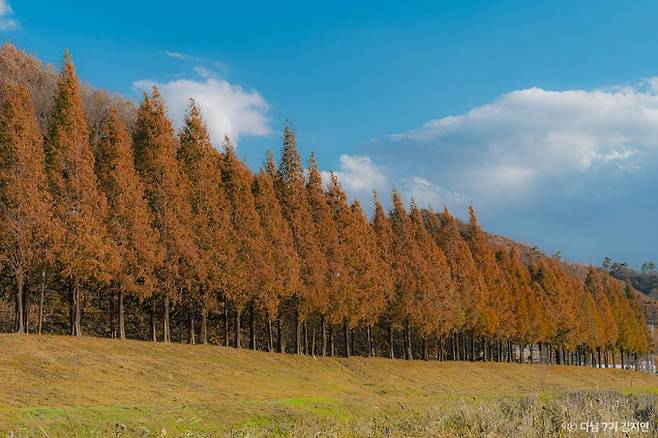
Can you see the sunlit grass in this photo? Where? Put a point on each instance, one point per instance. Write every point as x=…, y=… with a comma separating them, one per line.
x=62, y=386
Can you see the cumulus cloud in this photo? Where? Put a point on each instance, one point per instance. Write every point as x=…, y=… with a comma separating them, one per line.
x=7, y=20
x=550, y=167
x=229, y=110
x=359, y=176
x=527, y=136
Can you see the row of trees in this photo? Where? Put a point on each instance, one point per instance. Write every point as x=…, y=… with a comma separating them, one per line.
x=136, y=231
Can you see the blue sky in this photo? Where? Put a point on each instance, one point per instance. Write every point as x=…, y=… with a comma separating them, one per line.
x=542, y=114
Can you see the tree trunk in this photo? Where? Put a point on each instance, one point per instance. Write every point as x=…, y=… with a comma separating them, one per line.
x=191, y=330
x=323, y=329
x=346, y=337
x=279, y=340
x=76, y=329
x=270, y=336
x=113, y=327
x=483, y=347
x=19, y=326
x=252, y=327
x=453, y=350
x=41, y=297
x=472, y=346
x=520, y=352
x=154, y=332
x=621, y=350
x=598, y=354
x=313, y=342
x=227, y=341
x=122, y=317
x=369, y=336
x=204, y=324
x=166, y=337
x=298, y=349
x=238, y=312
x=352, y=337
x=391, y=343
x=305, y=333
x=332, y=341
x=426, y=355
x=26, y=307
x=409, y=355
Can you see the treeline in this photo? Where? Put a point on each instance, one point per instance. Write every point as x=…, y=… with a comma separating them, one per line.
x=146, y=233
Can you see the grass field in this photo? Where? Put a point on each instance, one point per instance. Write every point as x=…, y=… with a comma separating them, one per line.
x=63, y=386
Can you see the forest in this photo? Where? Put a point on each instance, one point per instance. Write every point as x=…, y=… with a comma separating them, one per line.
x=115, y=224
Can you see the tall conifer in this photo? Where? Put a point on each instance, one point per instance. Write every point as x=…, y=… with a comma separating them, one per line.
x=128, y=219
x=27, y=224
x=166, y=190
x=87, y=253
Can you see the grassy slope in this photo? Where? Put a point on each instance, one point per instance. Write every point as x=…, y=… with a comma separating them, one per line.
x=69, y=386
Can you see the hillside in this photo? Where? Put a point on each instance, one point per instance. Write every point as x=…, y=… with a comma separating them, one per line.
x=65, y=386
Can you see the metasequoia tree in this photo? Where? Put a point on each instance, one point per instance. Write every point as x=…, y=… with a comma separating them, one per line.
x=290, y=184
x=128, y=220
x=521, y=295
x=438, y=305
x=254, y=267
x=326, y=234
x=406, y=261
x=467, y=279
x=496, y=314
x=211, y=217
x=27, y=224
x=155, y=148
x=280, y=245
x=383, y=236
x=111, y=201
x=594, y=283
x=87, y=254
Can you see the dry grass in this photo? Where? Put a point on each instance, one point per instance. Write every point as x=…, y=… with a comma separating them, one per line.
x=61, y=386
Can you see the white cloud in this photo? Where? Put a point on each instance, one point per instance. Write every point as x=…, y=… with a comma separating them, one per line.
x=426, y=193
x=204, y=72
x=359, y=176
x=227, y=109
x=175, y=55
x=196, y=59
x=7, y=20
x=528, y=138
